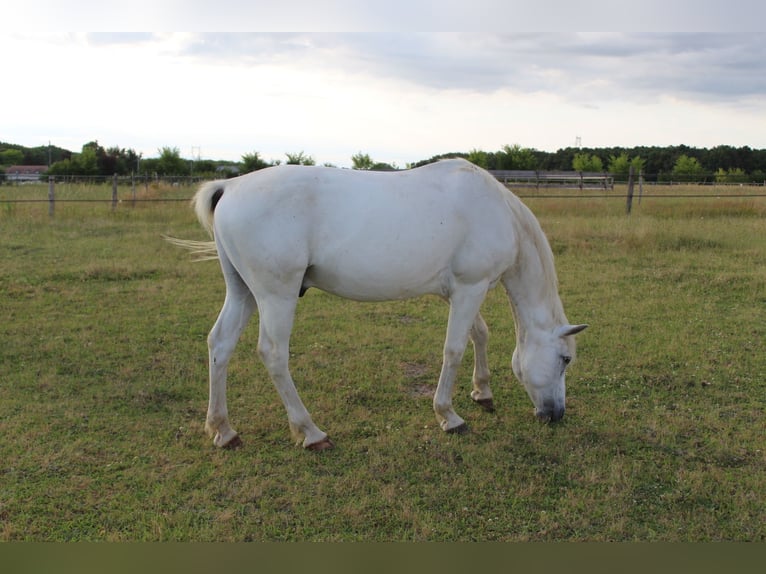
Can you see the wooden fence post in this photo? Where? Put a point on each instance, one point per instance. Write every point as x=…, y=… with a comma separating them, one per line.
x=51, y=195
x=133, y=187
x=629, y=205
x=114, y=191
x=640, y=185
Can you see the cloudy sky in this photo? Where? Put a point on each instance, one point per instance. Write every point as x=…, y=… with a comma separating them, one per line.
x=398, y=95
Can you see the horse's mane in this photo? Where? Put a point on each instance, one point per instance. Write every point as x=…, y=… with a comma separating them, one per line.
x=543, y=248
x=534, y=235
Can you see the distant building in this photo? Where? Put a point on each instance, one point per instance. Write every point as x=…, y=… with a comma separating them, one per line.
x=25, y=172
x=227, y=170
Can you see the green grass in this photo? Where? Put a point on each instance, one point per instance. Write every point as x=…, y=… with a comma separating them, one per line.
x=103, y=391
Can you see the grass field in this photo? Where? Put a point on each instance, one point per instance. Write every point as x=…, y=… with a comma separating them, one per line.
x=103, y=390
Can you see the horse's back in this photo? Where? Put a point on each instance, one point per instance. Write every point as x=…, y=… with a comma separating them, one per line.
x=438, y=192
x=370, y=235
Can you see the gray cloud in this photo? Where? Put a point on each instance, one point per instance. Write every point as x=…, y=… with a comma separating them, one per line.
x=249, y=48
x=580, y=66
x=111, y=38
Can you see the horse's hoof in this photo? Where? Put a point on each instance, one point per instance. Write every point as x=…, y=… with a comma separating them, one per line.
x=487, y=404
x=460, y=429
x=324, y=444
x=233, y=444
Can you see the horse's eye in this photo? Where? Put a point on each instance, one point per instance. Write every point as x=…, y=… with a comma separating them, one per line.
x=567, y=359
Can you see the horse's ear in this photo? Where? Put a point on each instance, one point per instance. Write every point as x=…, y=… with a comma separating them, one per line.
x=567, y=330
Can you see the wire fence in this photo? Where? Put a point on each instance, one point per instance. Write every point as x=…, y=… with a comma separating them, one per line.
x=133, y=179
x=137, y=190
x=513, y=178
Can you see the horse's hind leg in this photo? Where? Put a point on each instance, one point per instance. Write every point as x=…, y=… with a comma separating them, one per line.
x=481, y=392
x=236, y=312
x=276, y=321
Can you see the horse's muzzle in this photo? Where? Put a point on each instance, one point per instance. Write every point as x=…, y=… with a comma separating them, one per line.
x=550, y=414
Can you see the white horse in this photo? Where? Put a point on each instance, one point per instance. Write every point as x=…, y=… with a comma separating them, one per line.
x=448, y=229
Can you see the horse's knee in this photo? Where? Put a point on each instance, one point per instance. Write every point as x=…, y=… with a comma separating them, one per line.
x=271, y=356
x=453, y=355
x=480, y=333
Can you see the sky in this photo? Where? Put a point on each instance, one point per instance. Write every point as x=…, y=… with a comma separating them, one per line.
x=403, y=90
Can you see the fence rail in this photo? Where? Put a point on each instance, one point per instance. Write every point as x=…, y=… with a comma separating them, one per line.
x=133, y=191
x=141, y=179
x=130, y=190
x=516, y=178
x=548, y=179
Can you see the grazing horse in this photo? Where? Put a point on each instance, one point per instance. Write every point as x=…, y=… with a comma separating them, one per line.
x=448, y=229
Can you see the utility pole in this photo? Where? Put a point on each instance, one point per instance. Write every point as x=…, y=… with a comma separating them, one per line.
x=195, y=152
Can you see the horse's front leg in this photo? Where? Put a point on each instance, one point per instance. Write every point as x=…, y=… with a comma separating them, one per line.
x=236, y=312
x=481, y=392
x=465, y=302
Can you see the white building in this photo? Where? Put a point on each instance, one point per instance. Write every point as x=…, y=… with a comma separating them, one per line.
x=18, y=173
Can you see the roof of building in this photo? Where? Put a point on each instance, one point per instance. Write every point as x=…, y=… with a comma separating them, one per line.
x=26, y=169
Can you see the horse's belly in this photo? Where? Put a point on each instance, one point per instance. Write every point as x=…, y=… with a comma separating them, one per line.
x=371, y=281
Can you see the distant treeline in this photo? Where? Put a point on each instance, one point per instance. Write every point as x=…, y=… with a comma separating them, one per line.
x=657, y=163
x=721, y=163
x=13, y=154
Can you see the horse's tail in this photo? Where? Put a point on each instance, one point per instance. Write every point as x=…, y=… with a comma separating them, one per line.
x=204, y=202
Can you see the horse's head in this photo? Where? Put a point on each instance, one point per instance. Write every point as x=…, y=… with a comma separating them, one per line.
x=540, y=364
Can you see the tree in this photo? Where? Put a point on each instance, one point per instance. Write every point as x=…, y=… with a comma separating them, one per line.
x=361, y=161
x=170, y=162
x=516, y=157
x=95, y=160
x=11, y=157
x=253, y=162
x=619, y=166
x=63, y=167
x=299, y=159
x=83, y=163
x=204, y=167
x=688, y=169
x=479, y=158
x=638, y=164
x=732, y=175
x=88, y=160
x=585, y=162
x=383, y=166
x=117, y=160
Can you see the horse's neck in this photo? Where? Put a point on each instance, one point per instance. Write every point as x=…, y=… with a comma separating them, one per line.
x=532, y=289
